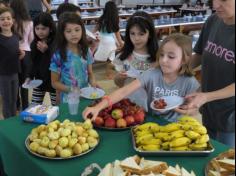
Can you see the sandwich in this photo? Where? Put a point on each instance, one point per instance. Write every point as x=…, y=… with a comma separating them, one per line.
x=184, y=172
x=227, y=164
x=130, y=165
x=171, y=171
x=107, y=171
x=155, y=167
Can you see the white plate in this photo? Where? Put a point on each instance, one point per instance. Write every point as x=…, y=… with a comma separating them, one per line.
x=32, y=84
x=89, y=91
x=171, y=101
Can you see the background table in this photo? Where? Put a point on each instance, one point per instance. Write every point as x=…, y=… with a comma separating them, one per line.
x=114, y=145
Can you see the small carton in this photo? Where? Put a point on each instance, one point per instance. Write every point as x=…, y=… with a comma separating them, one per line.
x=41, y=114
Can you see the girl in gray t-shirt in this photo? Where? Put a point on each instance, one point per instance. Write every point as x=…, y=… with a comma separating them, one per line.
x=172, y=77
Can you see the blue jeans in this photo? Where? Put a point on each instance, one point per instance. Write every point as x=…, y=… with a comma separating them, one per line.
x=225, y=138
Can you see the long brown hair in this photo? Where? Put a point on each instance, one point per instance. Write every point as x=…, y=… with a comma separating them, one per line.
x=21, y=15
x=61, y=43
x=185, y=43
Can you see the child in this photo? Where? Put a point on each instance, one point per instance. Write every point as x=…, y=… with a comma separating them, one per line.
x=67, y=7
x=108, y=27
x=173, y=76
x=24, y=27
x=9, y=63
x=71, y=64
x=138, y=54
x=41, y=53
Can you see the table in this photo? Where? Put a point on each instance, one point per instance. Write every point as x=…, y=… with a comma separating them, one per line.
x=193, y=10
x=89, y=17
x=114, y=145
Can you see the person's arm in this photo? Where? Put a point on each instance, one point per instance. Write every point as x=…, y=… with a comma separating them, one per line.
x=92, y=79
x=114, y=98
x=196, y=60
x=119, y=39
x=198, y=99
x=31, y=33
x=56, y=84
x=47, y=5
x=224, y=93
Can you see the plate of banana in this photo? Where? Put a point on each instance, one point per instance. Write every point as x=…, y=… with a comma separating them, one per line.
x=186, y=137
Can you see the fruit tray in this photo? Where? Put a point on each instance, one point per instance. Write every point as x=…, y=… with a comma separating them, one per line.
x=207, y=152
x=27, y=142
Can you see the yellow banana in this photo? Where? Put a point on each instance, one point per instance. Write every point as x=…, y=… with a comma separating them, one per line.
x=186, y=127
x=190, y=123
x=142, y=133
x=192, y=135
x=171, y=127
x=177, y=134
x=160, y=135
x=183, y=148
x=151, y=147
x=180, y=142
x=147, y=126
x=151, y=142
x=198, y=147
x=200, y=129
x=187, y=119
x=203, y=139
x=144, y=138
x=165, y=145
x=167, y=138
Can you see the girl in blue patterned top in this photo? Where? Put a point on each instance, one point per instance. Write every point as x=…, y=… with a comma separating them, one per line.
x=71, y=64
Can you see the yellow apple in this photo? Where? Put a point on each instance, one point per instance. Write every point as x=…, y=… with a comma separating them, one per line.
x=87, y=124
x=77, y=149
x=79, y=130
x=43, y=134
x=72, y=142
x=45, y=141
x=41, y=150
x=41, y=128
x=65, y=153
x=53, y=135
x=34, y=146
x=53, y=144
x=51, y=153
x=33, y=136
x=93, y=133
x=82, y=140
x=65, y=132
x=58, y=150
x=85, y=147
x=63, y=142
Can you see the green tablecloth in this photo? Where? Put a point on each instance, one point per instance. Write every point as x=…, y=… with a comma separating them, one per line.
x=16, y=160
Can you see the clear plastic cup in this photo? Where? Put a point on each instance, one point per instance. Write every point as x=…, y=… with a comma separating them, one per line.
x=73, y=103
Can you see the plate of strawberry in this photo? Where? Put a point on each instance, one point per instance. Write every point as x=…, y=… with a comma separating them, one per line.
x=167, y=103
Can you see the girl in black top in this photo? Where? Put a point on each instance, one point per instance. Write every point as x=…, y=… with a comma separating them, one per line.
x=41, y=52
x=9, y=63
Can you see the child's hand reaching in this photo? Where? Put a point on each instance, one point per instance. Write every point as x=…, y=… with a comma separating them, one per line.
x=91, y=113
x=42, y=46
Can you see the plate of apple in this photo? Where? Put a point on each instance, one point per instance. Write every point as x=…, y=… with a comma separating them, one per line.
x=122, y=116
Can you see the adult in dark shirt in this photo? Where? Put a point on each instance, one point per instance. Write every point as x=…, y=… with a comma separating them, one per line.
x=215, y=51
